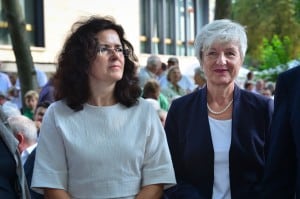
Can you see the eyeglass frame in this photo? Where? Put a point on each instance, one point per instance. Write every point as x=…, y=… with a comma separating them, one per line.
x=110, y=50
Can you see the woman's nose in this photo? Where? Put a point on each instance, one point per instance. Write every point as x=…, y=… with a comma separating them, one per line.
x=221, y=59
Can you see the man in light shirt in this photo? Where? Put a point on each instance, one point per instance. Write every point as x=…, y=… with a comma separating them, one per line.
x=25, y=131
x=150, y=70
x=5, y=83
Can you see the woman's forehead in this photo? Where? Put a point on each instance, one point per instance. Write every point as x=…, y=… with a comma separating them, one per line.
x=224, y=45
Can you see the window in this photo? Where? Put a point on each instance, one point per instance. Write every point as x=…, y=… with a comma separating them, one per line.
x=34, y=19
x=170, y=26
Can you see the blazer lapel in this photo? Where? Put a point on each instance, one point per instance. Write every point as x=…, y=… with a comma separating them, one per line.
x=236, y=114
x=7, y=136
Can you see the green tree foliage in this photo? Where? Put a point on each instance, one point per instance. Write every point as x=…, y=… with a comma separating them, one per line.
x=275, y=53
x=264, y=19
x=297, y=9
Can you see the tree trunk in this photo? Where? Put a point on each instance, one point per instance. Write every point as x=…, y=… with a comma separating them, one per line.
x=223, y=9
x=20, y=44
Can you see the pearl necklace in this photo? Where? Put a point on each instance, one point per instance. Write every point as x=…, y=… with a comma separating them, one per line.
x=219, y=112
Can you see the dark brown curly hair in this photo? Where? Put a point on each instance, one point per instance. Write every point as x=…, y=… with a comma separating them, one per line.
x=79, y=51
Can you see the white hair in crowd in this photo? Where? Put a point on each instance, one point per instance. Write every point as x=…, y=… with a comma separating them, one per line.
x=24, y=125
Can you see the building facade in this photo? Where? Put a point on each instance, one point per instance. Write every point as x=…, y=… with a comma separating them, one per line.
x=163, y=27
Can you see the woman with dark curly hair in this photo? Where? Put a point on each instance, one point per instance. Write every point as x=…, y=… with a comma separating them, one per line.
x=100, y=139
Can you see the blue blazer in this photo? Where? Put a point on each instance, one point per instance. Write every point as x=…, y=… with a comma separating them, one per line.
x=190, y=143
x=28, y=168
x=282, y=175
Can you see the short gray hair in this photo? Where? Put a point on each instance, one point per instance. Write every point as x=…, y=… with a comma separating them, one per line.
x=153, y=60
x=22, y=124
x=222, y=30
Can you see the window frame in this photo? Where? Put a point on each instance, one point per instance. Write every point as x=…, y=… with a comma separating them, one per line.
x=33, y=12
x=162, y=36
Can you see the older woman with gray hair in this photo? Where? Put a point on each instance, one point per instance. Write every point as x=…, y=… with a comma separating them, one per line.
x=199, y=78
x=172, y=89
x=217, y=135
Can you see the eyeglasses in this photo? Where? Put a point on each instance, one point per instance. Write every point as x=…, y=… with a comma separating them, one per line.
x=105, y=51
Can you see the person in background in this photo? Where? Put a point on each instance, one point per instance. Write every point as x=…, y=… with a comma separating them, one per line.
x=267, y=92
x=150, y=71
x=13, y=78
x=14, y=93
x=5, y=83
x=25, y=131
x=282, y=170
x=249, y=85
x=152, y=90
x=217, y=135
x=172, y=61
x=184, y=82
x=41, y=79
x=259, y=86
x=250, y=76
x=151, y=93
x=162, y=71
x=172, y=89
x=109, y=142
x=271, y=86
x=31, y=98
x=47, y=92
x=8, y=107
x=13, y=181
x=39, y=113
x=199, y=78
